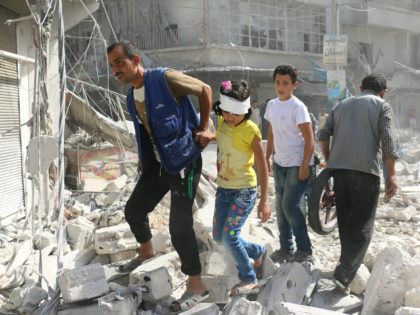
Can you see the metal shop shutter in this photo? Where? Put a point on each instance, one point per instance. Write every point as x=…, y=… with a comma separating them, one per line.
x=11, y=175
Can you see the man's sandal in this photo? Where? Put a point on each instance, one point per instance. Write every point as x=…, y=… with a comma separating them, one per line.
x=187, y=301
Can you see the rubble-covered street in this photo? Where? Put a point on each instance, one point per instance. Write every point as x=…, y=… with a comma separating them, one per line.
x=98, y=240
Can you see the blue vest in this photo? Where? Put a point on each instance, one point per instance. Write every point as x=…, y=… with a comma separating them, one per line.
x=171, y=125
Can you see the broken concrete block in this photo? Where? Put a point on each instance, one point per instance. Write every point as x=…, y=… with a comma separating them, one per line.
x=125, y=255
x=219, y=287
x=114, y=239
x=115, y=217
x=219, y=264
x=94, y=215
x=101, y=259
x=83, y=283
x=296, y=309
x=241, y=306
x=157, y=281
x=93, y=184
x=78, y=258
x=203, y=309
x=407, y=311
x=328, y=297
x=412, y=297
x=128, y=305
x=385, y=291
x=358, y=285
x=79, y=209
x=26, y=300
x=162, y=242
x=80, y=233
x=289, y=284
x=44, y=240
x=117, y=184
x=406, y=214
x=24, y=250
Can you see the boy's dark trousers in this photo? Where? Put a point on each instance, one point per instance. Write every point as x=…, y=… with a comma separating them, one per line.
x=149, y=191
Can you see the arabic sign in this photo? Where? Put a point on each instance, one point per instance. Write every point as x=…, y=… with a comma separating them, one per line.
x=335, y=49
x=337, y=90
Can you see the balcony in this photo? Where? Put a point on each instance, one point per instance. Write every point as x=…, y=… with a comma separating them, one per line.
x=405, y=17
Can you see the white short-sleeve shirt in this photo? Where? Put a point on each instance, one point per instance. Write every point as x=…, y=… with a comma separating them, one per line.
x=285, y=116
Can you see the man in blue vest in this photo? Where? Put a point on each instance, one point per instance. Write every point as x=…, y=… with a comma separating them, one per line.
x=362, y=131
x=170, y=138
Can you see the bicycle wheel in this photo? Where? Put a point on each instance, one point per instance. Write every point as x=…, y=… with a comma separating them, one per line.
x=322, y=215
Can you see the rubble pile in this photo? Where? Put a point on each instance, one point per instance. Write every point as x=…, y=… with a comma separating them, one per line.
x=98, y=240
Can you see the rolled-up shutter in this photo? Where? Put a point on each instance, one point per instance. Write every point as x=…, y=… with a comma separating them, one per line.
x=11, y=175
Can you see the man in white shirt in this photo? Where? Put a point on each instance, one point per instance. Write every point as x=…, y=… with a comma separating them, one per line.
x=290, y=135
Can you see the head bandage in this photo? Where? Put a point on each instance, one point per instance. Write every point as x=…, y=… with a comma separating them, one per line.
x=233, y=106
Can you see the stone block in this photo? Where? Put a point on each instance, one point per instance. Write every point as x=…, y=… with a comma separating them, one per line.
x=117, y=184
x=219, y=264
x=78, y=258
x=157, y=281
x=296, y=309
x=219, y=287
x=26, y=300
x=83, y=283
x=101, y=259
x=114, y=239
x=80, y=233
x=162, y=242
x=406, y=214
x=79, y=209
x=126, y=306
x=412, y=297
x=289, y=284
x=203, y=309
x=407, y=311
x=44, y=240
x=125, y=255
x=241, y=306
x=358, y=285
x=386, y=287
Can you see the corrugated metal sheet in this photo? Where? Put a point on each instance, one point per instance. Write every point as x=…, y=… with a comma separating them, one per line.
x=11, y=175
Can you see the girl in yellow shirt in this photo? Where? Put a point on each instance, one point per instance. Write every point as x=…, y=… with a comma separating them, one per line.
x=238, y=142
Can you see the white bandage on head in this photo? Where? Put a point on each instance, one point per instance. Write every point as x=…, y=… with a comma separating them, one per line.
x=233, y=106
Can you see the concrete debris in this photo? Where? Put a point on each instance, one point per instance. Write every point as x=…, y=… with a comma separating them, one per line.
x=289, y=284
x=296, y=309
x=395, y=272
x=26, y=300
x=241, y=306
x=407, y=311
x=203, y=309
x=158, y=282
x=98, y=240
x=83, y=283
x=114, y=239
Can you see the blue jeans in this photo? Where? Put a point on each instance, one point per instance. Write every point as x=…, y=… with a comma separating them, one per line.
x=290, y=218
x=233, y=207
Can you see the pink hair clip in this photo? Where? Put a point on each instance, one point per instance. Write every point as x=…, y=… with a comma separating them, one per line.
x=227, y=86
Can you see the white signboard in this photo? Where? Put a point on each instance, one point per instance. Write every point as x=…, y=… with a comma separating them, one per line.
x=335, y=50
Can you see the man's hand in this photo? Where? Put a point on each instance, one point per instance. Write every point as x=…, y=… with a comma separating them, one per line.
x=303, y=172
x=139, y=168
x=203, y=138
x=264, y=211
x=390, y=187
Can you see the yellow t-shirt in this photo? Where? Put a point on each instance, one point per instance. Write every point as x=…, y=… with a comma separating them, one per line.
x=235, y=156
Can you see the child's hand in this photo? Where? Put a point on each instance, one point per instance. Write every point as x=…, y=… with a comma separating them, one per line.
x=264, y=211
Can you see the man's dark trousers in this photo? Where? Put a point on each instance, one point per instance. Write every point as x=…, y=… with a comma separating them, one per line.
x=356, y=196
x=149, y=191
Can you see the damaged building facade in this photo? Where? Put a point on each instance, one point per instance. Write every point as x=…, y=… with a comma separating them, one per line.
x=235, y=39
